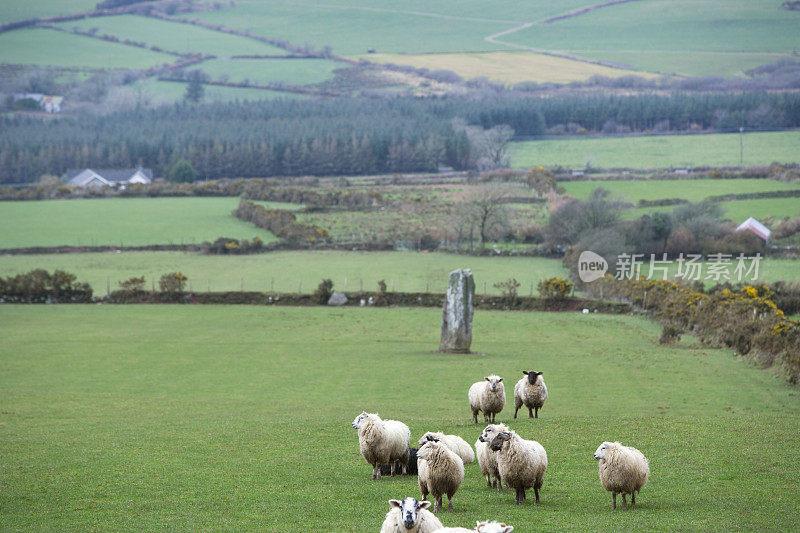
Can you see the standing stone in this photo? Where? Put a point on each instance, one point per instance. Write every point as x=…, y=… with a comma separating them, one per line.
x=457, y=313
x=337, y=299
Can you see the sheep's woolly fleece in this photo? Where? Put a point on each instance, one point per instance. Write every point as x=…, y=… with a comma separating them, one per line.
x=454, y=442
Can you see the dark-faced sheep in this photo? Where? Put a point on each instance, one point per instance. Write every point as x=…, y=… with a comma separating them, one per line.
x=487, y=459
x=522, y=463
x=531, y=392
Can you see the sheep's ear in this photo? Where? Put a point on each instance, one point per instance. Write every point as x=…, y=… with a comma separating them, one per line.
x=507, y=529
x=396, y=503
x=500, y=380
x=487, y=378
x=525, y=372
x=478, y=525
x=424, y=504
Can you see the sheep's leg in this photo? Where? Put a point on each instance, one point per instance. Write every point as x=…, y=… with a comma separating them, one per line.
x=475, y=416
x=520, y=499
x=489, y=481
x=437, y=506
x=376, y=472
x=613, y=500
x=499, y=485
x=515, y=412
x=537, y=412
x=633, y=498
x=624, y=504
x=450, y=502
x=530, y=412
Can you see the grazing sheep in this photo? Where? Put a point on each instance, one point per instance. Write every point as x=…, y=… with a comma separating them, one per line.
x=531, y=392
x=487, y=459
x=410, y=516
x=623, y=470
x=382, y=442
x=482, y=527
x=521, y=463
x=454, y=442
x=443, y=472
x=398, y=466
x=488, y=396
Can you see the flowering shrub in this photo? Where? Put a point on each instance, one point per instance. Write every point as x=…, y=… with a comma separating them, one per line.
x=554, y=288
x=172, y=283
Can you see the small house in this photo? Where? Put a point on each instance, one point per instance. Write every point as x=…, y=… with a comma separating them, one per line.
x=754, y=226
x=95, y=179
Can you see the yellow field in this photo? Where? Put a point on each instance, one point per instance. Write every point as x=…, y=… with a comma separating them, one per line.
x=509, y=67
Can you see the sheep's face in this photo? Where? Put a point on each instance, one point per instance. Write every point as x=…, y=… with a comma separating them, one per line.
x=498, y=440
x=602, y=451
x=425, y=438
x=532, y=376
x=494, y=382
x=490, y=432
x=410, y=510
x=493, y=527
x=359, y=419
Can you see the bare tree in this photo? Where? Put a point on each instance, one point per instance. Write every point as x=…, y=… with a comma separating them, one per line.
x=484, y=212
x=489, y=148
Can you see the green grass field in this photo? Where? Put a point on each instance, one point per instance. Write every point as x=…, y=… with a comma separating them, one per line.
x=290, y=271
x=661, y=151
x=175, y=36
x=48, y=47
x=648, y=34
x=170, y=91
x=236, y=417
x=123, y=222
x=693, y=190
x=13, y=10
x=291, y=71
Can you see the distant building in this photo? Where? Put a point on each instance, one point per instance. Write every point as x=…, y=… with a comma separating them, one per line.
x=49, y=104
x=754, y=226
x=95, y=179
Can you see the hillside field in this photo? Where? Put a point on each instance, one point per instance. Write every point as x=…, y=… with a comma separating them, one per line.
x=659, y=151
x=236, y=417
x=124, y=222
x=293, y=270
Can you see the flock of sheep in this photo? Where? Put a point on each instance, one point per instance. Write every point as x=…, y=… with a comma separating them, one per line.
x=503, y=457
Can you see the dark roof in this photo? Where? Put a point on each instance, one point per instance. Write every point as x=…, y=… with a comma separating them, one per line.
x=113, y=174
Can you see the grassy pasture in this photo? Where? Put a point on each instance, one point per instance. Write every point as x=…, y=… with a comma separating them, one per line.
x=693, y=190
x=739, y=210
x=769, y=270
x=648, y=32
x=13, y=10
x=48, y=47
x=508, y=67
x=174, y=36
x=292, y=71
x=123, y=221
x=661, y=151
x=402, y=271
x=227, y=417
x=170, y=91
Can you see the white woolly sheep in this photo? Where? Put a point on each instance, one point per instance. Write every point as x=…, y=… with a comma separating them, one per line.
x=410, y=516
x=487, y=459
x=454, y=442
x=622, y=469
x=443, y=472
x=522, y=463
x=382, y=442
x=487, y=396
x=531, y=392
x=482, y=527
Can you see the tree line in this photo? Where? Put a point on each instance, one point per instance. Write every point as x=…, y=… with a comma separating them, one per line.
x=351, y=136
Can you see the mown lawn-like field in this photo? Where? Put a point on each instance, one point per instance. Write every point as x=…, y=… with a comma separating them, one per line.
x=234, y=417
x=293, y=271
x=660, y=151
x=170, y=91
x=124, y=222
x=290, y=71
x=13, y=10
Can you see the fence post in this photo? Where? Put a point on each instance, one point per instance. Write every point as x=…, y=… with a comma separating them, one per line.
x=531, y=293
x=108, y=285
x=345, y=284
x=427, y=285
x=241, y=284
x=360, y=284
x=271, y=284
x=208, y=285
x=484, y=288
x=392, y=285
x=299, y=286
x=644, y=301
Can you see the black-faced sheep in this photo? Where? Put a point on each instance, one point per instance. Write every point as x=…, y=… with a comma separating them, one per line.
x=410, y=516
x=487, y=459
x=454, y=442
x=531, y=392
x=441, y=472
x=487, y=396
x=522, y=463
x=407, y=469
x=382, y=442
x=622, y=469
